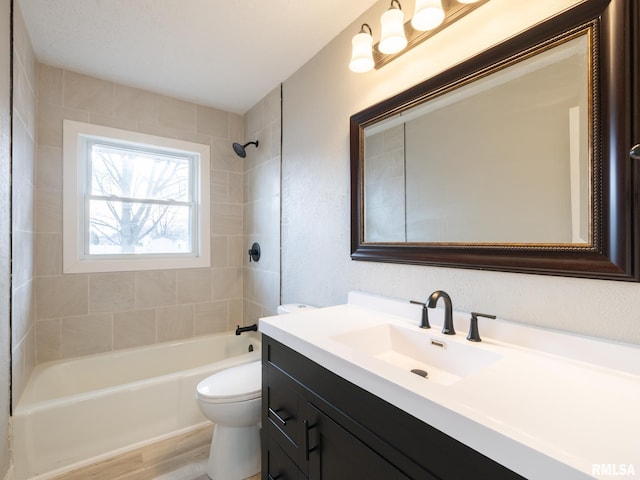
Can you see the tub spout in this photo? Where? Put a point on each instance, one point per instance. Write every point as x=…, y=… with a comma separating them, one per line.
x=250, y=328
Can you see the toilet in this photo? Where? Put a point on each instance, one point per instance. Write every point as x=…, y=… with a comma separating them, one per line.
x=231, y=399
x=293, y=308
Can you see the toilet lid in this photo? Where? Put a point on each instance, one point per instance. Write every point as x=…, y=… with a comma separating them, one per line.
x=243, y=382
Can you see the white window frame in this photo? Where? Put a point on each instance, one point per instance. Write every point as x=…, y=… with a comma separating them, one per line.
x=74, y=259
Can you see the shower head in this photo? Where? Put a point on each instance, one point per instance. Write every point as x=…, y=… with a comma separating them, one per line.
x=240, y=149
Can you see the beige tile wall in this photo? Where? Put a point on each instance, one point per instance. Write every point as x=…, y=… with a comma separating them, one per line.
x=262, y=207
x=81, y=314
x=23, y=194
x=5, y=239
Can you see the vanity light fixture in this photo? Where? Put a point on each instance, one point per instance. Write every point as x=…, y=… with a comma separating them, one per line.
x=428, y=15
x=392, y=37
x=397, y=37
x=362, y=50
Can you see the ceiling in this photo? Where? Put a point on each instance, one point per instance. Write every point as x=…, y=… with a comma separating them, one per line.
x=225, y=54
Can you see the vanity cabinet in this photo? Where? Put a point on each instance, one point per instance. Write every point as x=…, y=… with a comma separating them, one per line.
x=317, y=425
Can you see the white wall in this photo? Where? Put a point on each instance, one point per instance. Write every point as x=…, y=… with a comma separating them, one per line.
x=316, y=264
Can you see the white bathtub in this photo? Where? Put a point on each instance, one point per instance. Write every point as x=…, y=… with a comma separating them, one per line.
x=77, y=409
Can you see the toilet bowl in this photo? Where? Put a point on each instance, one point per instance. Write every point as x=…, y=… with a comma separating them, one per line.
x=231, y=399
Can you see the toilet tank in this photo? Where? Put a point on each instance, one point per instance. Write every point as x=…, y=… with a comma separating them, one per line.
x=293, y=307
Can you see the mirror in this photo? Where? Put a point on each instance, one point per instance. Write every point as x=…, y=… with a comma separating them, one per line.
x=515, y=160
x=524, y=154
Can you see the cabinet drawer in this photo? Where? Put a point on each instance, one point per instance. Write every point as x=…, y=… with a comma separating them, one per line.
x=280, y=466
x=283, y=410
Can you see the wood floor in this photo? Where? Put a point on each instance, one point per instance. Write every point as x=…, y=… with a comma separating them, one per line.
x=152, y=461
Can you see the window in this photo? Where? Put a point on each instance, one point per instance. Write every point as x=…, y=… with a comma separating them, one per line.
x=133, y=201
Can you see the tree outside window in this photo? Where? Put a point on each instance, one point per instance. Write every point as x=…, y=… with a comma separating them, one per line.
x=133, y=201
x=138, y=201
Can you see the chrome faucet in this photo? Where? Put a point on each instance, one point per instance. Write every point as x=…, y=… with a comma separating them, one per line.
x=447, y=327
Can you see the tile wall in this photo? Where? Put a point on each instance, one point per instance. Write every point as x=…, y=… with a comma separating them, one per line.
x=81, y=314
x=262, y=207
x=58, y=316
x=5, y=229
x=23, y=194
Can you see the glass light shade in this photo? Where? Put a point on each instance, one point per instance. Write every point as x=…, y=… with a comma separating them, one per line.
x=361, y=53
x=467, y=1
x=392, y=37
x=428, y=15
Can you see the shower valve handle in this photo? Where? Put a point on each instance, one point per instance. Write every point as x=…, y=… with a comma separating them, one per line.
x=254, y=252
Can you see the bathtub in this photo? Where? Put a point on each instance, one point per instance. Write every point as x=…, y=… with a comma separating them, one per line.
x=75, y=410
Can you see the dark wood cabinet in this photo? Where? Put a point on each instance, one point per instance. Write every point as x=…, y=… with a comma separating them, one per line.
x=318, y=425
x=284, y=408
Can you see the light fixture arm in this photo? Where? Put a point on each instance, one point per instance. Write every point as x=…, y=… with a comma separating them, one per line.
x=395, y=1
x=362, y=30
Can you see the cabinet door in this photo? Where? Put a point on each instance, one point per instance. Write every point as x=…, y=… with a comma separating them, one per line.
x=335, y=454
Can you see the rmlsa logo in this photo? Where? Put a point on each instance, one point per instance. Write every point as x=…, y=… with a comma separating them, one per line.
x=613, y=469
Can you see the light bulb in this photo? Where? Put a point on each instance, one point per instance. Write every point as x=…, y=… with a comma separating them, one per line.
x=428, y=14
x=361, y=52
x=392, y=37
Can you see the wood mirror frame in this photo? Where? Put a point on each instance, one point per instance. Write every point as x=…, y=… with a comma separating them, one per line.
x=614, y=252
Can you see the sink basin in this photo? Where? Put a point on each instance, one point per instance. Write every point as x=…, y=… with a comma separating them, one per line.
x=444, y=361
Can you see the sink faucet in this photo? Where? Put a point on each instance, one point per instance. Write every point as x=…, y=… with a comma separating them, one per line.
x=424, y=320
x=447, y=328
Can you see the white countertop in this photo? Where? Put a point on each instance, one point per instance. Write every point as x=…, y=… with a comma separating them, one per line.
x=555, y=406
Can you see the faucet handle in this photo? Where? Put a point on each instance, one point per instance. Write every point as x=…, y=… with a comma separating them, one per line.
x=424, y=320
x=474, y=335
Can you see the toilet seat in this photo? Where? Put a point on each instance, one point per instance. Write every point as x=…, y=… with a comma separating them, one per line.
x=235, y=384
